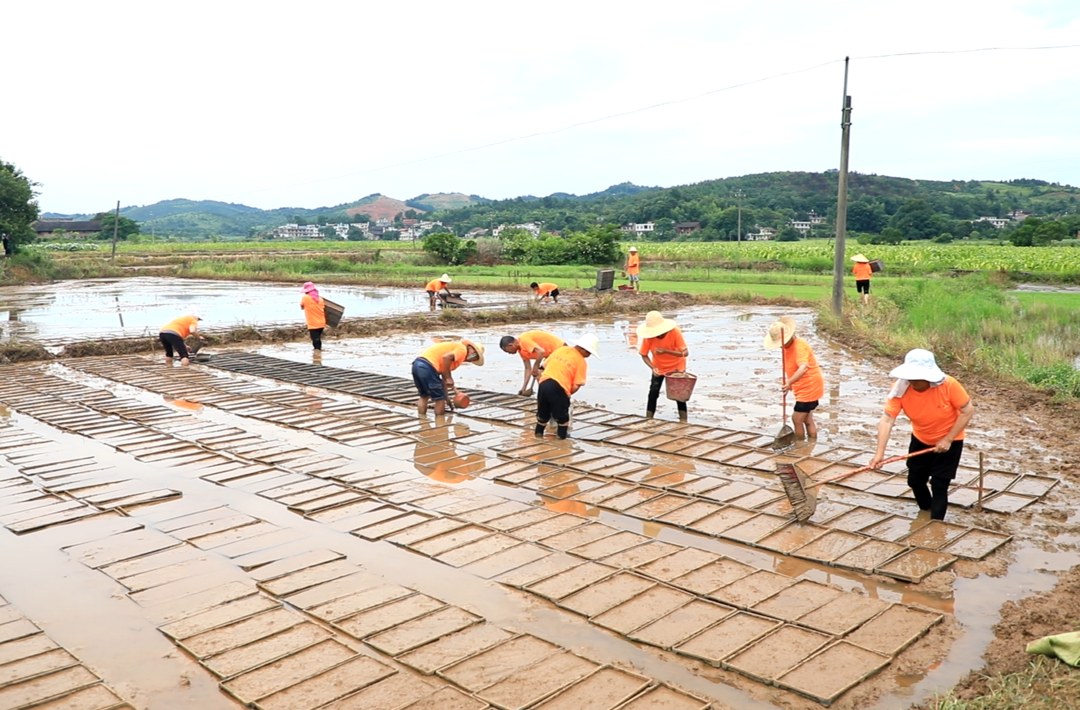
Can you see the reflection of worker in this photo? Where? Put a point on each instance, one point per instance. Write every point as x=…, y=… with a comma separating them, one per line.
x=633, y=268
x=661, y=338
x=437, y=289
x=862, y=272
x=939, y=408
x=314, y=308
x=431, y=371
x=533, y=346
x=543, y=290
x=173, y=333
x=564, y=374
x=801, y=374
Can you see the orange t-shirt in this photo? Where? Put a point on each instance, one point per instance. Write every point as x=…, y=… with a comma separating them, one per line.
x=532, y=339
x=811, y=386
x=933, y=412
x=671, y=340
x=567, y=367
x=435, y=353
x=862, y=271
x=182, y=326
x=314, y=311
x=633, y=263
x=436, y=285
x=545, y=288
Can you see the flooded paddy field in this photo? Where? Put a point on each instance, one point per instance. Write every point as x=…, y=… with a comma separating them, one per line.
x=91, y=309
x=275, y=531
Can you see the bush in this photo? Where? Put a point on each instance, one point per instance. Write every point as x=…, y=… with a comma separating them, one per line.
x=449, y=248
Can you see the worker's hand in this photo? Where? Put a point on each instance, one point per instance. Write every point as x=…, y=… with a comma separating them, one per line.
x=523, y=392
x=656, y=371
x=876, y=461
x=943, y=445
x=785, y=387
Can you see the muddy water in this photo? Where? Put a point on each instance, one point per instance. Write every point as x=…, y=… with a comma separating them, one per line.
x=96, y=308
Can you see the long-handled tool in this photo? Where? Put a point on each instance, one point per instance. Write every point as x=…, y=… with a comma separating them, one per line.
x=786, y=437
x=803, y=497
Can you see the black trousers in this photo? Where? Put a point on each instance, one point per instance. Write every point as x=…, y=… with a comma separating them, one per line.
x=172, y=341
x=552, y=401
x=316, y=337
x=654, y=394
x=937, y=469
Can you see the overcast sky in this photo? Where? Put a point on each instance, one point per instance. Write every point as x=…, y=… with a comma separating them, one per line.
x=317, y=103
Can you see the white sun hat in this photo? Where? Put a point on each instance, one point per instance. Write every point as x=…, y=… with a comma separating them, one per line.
x=590, y=342
x=919, y=364
x=633, y=248
x=655, y=324
x=445, y=278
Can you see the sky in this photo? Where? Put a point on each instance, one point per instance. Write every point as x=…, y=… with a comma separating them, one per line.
x=285, y=104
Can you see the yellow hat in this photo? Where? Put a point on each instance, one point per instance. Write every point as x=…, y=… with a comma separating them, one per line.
x=780, y=333
x=860, y=258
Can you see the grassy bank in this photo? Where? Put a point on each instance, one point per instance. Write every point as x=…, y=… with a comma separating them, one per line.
x=1047, y=684
x=974, y=322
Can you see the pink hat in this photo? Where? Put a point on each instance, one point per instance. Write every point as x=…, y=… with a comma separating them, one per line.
x=308, y=286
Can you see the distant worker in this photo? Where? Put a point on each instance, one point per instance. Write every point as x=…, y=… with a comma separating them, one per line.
x=564, y=374
x=437, y=289
x=544, y=290
x=939, y=409
x=9, y=248
x=534, y=346
x=174, y=332
x=633, y=268
x=432, y=371
x=661, y=338
x=802, y=376
x=314, y=308
x=862, y=271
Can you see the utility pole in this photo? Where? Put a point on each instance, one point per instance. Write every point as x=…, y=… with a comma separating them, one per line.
x=841, y=200
x=115, y=228
x=738, y=234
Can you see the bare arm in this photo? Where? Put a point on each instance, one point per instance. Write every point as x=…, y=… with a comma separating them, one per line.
x=447, y=361
x=884, y=429
x=647, y=361
x=966, y=412
x=795, y=377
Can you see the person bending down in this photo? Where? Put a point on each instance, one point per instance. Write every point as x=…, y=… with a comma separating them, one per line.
x=563, y=375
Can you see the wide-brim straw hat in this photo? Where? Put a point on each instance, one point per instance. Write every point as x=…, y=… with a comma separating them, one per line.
x=860, y=258
x=445, y=278
x=479, y=351
x=919, y=364
x=633, y=248
x=780, y=333
x=655, y=324
x=590, y=342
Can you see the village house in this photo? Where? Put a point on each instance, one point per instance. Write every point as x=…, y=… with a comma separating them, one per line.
x=1020, y=215
x=69, y=228
x=764, y=234
x=639, y=229
x=532, y=228
x=997, y=222
x=687, y=227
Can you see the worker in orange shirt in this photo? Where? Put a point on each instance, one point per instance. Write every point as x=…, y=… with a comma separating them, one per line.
x=534, y=346
x=939, y=409
x=802, y=376
x=437, y=289
x=633, y=268
x=661, y=338
x=563, y=375
x=174, y=332
x=314, y=308
x=544, y=290
x=432, y=371
x=862, y=271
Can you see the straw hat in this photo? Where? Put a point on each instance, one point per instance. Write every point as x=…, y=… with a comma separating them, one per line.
x=860, y=258
x=479, y=351
x=655, y=324
x=633, y=248
x=785, y=326
x=445, y=278
x=919, y=364
x=590, y=342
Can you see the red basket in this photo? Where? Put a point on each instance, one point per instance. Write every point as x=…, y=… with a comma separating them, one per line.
x=679, y=386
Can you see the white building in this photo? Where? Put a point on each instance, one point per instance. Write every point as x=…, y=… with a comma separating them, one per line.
x=532, y=228
x=763, y=234
x=998, y=222
x=639, y=228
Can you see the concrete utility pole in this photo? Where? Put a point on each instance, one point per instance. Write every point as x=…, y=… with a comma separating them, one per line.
x=115, y=227
x=841, y=201
x=738, y=234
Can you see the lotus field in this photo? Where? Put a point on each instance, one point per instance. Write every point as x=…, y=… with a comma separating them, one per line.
x=818, y=255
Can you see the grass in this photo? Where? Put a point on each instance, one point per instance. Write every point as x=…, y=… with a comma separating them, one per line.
x=1047, y=684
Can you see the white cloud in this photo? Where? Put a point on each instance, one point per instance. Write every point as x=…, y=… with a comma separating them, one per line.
x=270, y=103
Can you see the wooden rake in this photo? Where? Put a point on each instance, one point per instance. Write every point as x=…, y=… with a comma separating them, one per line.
x=802, y=494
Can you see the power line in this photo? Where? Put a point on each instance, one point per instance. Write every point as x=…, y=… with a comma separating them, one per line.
x=608, y=117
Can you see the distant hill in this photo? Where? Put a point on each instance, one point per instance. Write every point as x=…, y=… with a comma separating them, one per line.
x=445, y=201
x=379, y=207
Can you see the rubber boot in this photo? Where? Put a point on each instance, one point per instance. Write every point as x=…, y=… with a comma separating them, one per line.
x=650, y=415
